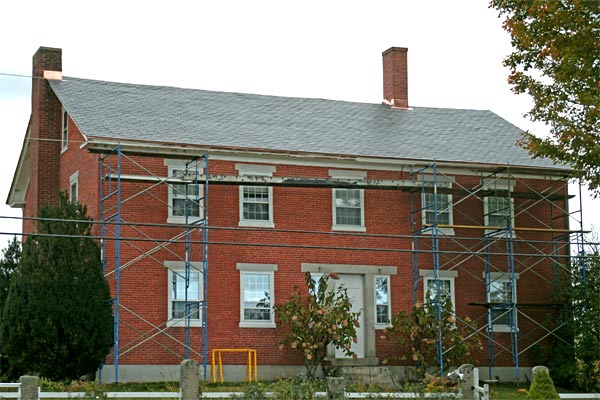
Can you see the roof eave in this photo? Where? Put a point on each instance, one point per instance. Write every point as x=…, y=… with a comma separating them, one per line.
x=20, y=181
x=173, y=150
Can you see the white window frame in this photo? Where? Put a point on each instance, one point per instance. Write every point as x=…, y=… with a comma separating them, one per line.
x=255, y=170
x=499, y=184
x=257, y=269
x=173, y=165
x=383, y=325
x=348, y=175
x=64, y=136
x=443, y=182
x=178, y=267
x=428, y=275
x=504, y=278
x=74, y=181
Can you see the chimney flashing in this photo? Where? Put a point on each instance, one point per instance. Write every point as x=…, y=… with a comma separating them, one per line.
x=53, y=75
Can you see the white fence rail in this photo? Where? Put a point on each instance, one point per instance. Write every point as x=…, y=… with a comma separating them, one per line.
x=10, y=395
x=480, y=392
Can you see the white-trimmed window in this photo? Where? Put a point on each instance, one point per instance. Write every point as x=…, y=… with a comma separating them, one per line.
x=382, y=301
x=185, y=194
x=498, y=211
x=256, y=202
x=348, y=210
x=348, y=204
x=74, y=188
x=64, y=137
x=179, y=308
x=440, y=202
x=446, y=281
x=257, y=283
x=500, y=296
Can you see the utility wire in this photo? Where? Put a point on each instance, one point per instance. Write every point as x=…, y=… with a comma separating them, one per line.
x=276, y=245
x=270, y=230
x=23, y=76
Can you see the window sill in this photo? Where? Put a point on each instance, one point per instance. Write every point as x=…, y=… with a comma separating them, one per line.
x=503, y=329
x=442, y=231
x=179, y=323
x=499, y=234
x=181, y=220
x=257, y=324
x=257, y=223
x=349, y=228
x=63, y=149
x=382, y=326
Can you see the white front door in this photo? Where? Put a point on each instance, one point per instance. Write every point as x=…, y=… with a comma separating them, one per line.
x=355, y=288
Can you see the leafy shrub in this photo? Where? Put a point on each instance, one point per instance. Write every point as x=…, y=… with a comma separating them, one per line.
x=255, y=391
x=324, y=317
x=296, y=389
x=417, y=334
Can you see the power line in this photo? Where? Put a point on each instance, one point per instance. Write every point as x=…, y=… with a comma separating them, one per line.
x=24, y=76
x=274, y=245
x=17, y=75
x=260, y=230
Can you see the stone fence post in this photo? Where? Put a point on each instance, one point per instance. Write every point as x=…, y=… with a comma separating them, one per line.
x=467, y=382
x=29, y=387
x=189, y=380
x=335, y=388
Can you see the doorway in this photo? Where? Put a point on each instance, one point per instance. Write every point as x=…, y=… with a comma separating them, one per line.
x=355, y=289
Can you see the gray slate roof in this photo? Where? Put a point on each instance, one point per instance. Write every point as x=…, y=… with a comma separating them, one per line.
x=199, y=117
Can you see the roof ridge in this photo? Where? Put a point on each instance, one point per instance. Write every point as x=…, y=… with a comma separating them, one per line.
x=145, y=85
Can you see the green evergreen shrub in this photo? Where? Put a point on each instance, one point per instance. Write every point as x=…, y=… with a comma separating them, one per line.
x=542, y=387
x=57, y=321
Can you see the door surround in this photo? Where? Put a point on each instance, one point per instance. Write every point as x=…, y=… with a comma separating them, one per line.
x=368, y=272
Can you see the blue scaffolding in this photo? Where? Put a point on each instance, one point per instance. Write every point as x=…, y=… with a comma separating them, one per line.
x=194, y=178
x=495, y=249
x=426, y=179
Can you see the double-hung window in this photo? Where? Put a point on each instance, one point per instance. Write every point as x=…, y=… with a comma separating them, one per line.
x=185, y=193
x=446, y=285
x=74, y=188
x=498, y=211
x=437, y=207
x=501, y=295
x=185, y=295
x=256, y=202
x=256, y=295
x=382, y=301
x=64, y=138
x=348, y=204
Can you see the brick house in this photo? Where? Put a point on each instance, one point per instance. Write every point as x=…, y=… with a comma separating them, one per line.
x=403, y=202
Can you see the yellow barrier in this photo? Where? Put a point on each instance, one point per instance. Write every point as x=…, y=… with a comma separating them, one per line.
x=251, y=365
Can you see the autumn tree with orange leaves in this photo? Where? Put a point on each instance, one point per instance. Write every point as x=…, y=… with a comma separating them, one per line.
x=556, y=60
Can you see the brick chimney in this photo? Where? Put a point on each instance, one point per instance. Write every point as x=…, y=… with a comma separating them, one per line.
x=395, y=81
x=45, y=132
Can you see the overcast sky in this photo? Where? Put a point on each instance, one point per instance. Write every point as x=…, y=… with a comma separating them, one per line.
x=323, y=49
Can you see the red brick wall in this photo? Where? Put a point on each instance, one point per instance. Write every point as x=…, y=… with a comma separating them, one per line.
x=144, y=286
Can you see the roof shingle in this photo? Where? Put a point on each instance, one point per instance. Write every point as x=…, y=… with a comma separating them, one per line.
x=221, y=119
